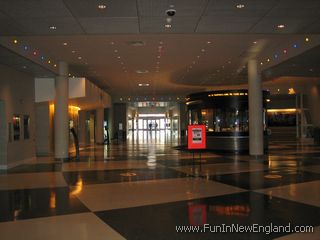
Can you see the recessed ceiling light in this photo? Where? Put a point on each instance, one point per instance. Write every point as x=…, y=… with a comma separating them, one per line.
x=118, y=57
x=65, y=44
x=143, y=84
x=281, y=26
x=79, y=58
x=15, y=41
x=202, y=50
x=73, y=51
x=208, y=42
x=255, y=42
x=49, y=61
x=55, y=65
x=307, y=39
x=102, y=6
x=115, y=50
x=52, y=27
x=142, y=71
x=112, y=43
x=239, y=6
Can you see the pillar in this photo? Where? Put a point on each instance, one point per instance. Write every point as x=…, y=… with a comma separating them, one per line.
x=61, y=116
x=82, y=127
x=99, y=125
x=255, y=110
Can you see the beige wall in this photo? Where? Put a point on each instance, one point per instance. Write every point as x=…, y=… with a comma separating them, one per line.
x=17, y=93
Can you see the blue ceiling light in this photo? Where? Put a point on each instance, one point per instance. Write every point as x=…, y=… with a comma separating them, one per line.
x=25, y=47
x=295, y=45
x=276, y=56
x=42, y=58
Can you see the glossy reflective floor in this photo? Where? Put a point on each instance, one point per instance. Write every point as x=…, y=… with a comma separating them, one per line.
x=145, y=188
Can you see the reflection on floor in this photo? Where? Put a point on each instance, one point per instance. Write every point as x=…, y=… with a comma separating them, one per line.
x=145, y=189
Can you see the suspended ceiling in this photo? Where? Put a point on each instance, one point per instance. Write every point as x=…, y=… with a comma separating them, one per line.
x=127, y=43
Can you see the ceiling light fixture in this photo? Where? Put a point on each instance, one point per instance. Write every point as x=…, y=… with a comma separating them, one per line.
x=52, y=27
x=307, y=39
x=202, y=50
x=102, y=6
x=240, y=6
x=281, y=26
x=79, y=58
x=167, y=25
x=73, y=51
x=143, y=84
x=208, y=42
x=15, y=41
x=65, y=44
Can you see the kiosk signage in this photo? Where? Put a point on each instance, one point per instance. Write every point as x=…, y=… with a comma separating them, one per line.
x=196, y=137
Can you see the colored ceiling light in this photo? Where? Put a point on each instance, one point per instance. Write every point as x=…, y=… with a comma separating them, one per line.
x=285, y=51
x=276, y=56
x=42, y=57
x=34, y=53
x=25, y=47
x=295, y=45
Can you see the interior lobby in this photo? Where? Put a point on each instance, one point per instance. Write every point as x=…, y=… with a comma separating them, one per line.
x=97, y=104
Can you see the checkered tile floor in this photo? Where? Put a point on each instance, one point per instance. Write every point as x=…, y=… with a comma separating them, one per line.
x=144, y=192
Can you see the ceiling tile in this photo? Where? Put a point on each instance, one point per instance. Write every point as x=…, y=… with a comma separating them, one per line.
x=41, y=26
x=252, y=8
x=114, y=8
x=212, y=24
x=102, y=25
x=156, y=8
x=178, y=25
x=34, y=8
x=292, y=25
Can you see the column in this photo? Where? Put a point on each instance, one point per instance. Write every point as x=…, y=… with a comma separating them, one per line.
x=255, y=110
x=61, y=116
x=82, y=127
x=99, y=125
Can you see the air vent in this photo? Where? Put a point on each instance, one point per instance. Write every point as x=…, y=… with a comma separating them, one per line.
x=142, y=71
x=137, y=43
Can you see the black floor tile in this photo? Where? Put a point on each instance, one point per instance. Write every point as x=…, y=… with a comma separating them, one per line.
x=260, y=179
x=196, y=161
x=122, y=175
x=160, y=221
x=33, y=203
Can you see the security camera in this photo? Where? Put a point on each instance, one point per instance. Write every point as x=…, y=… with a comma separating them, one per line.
x=170, y=12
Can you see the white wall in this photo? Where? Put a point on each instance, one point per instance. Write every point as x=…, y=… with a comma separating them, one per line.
x=17, y=93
